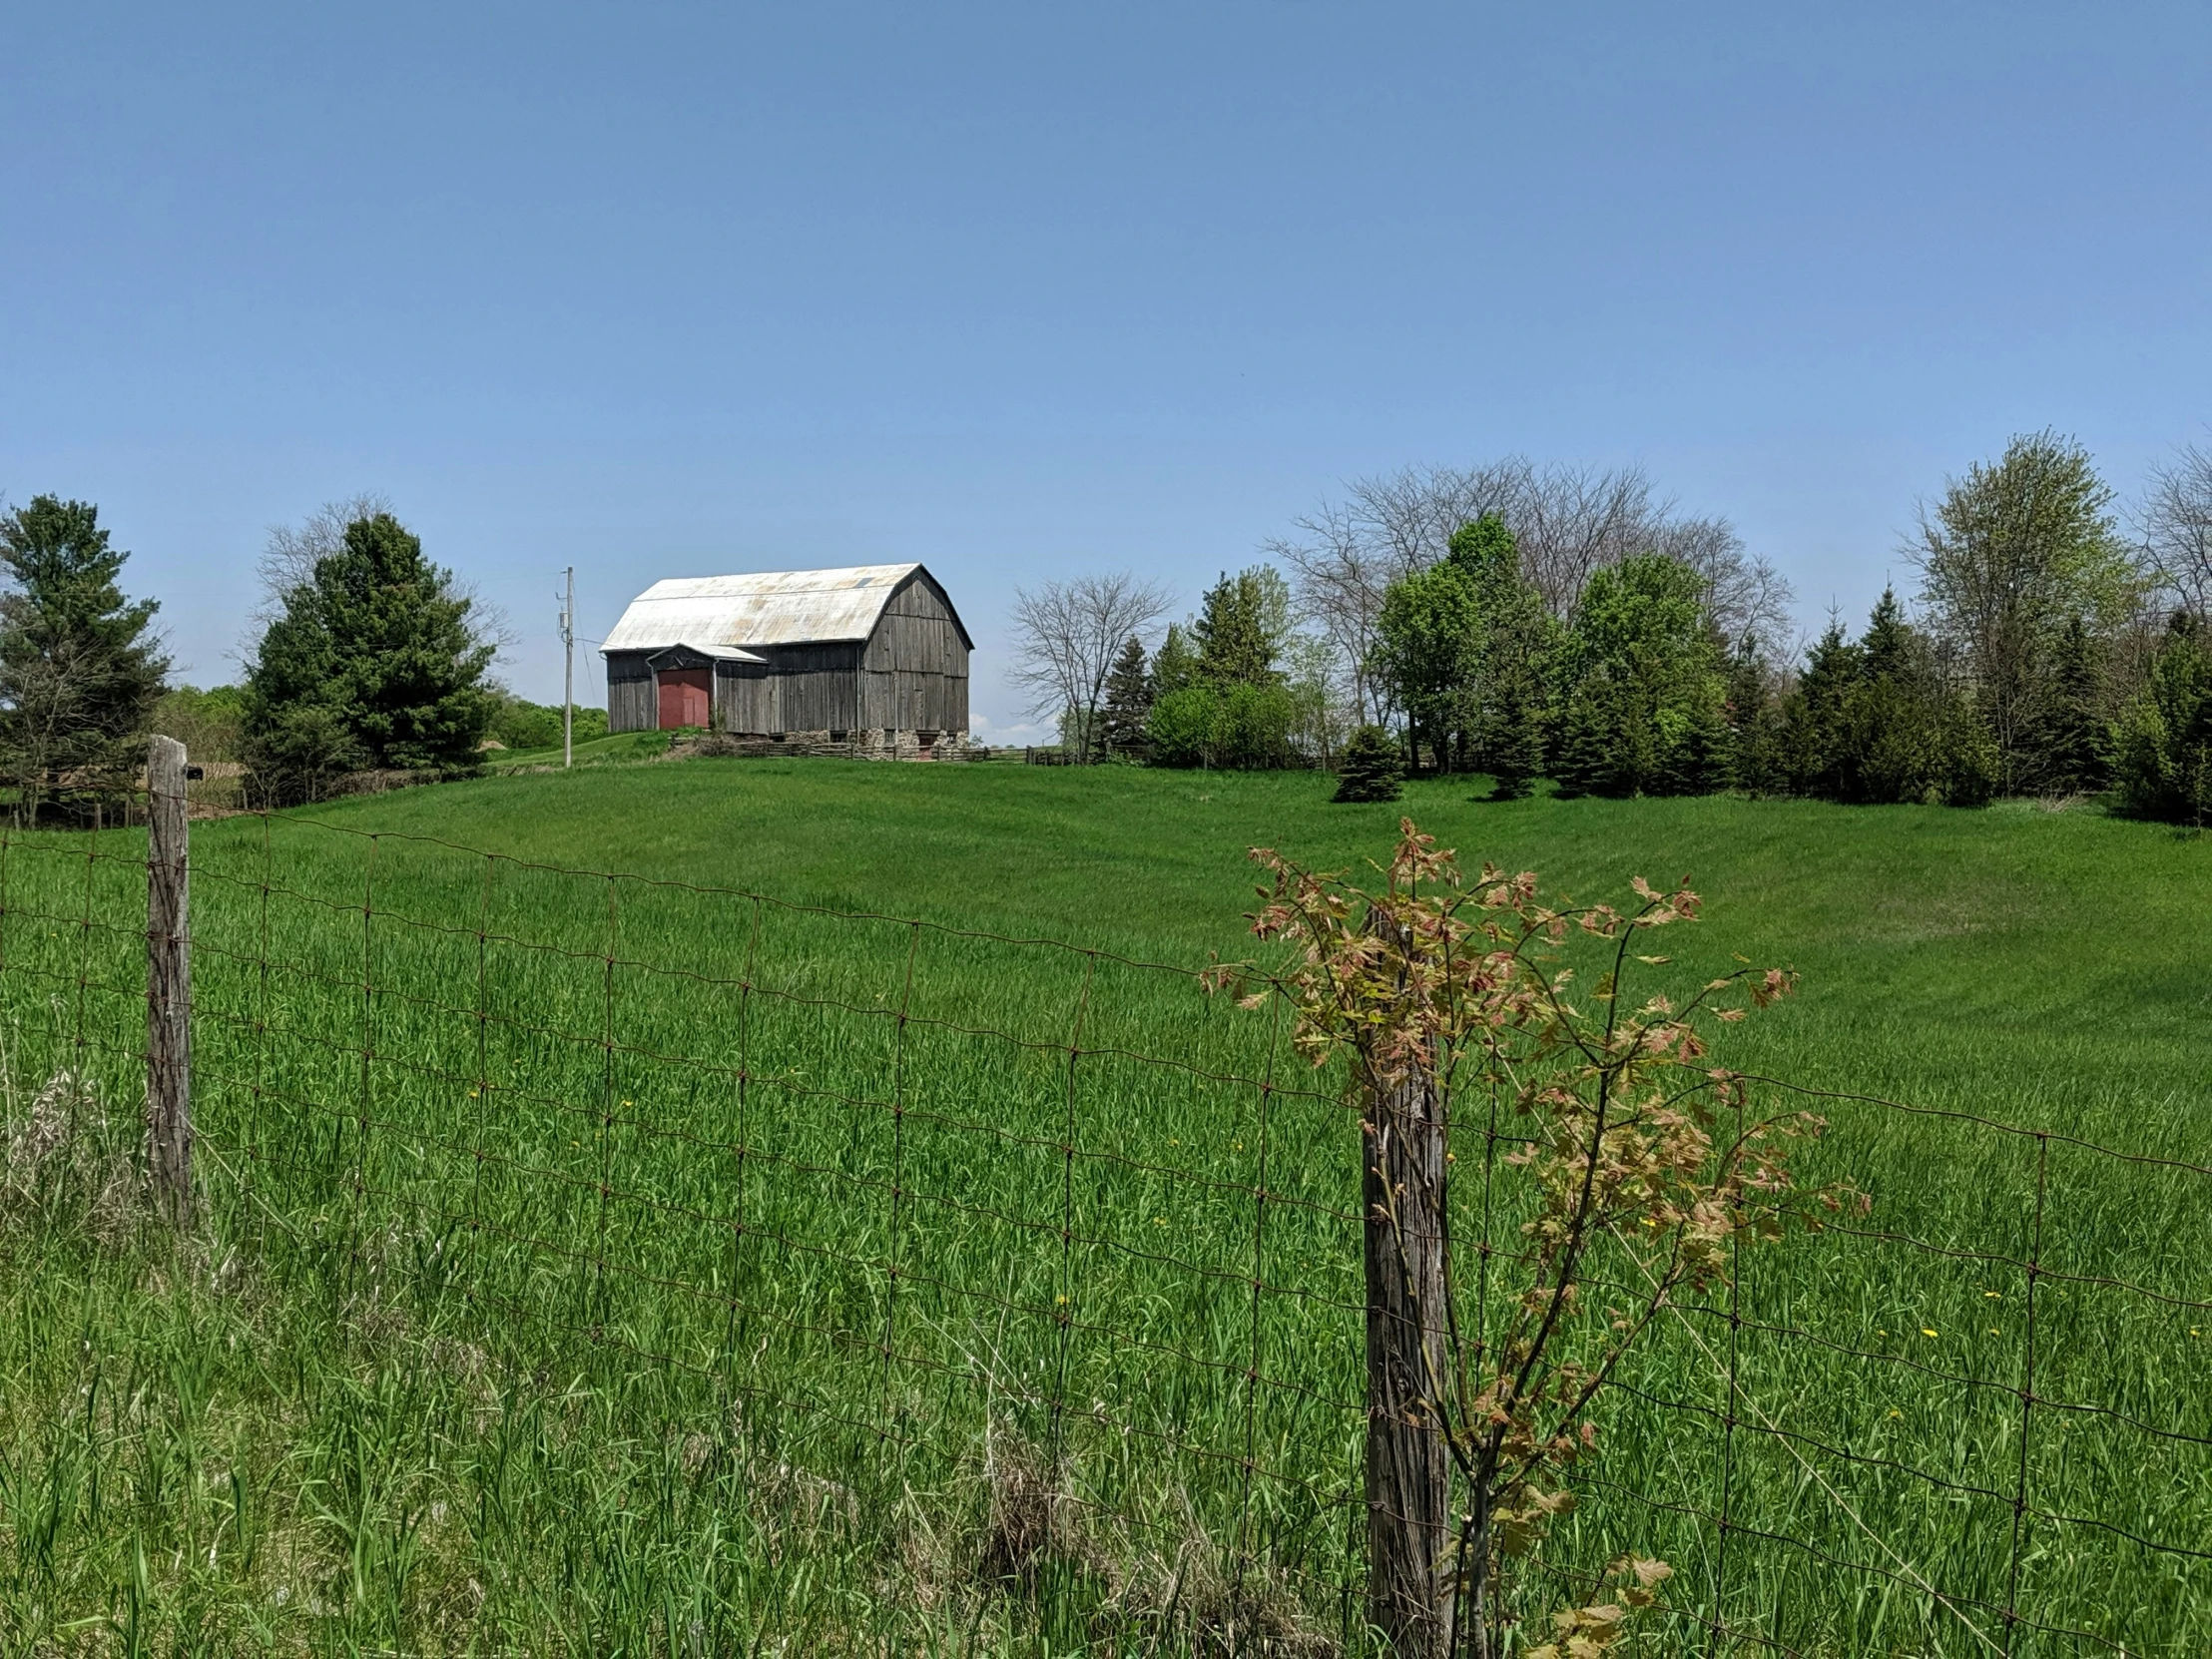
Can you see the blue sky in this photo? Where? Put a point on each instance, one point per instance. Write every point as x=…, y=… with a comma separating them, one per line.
x=1026, y=290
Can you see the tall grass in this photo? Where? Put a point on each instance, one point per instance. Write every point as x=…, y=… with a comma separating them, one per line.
x=608, y=1265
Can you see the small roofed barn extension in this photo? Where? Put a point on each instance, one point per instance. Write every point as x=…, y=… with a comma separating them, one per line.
x=870, y=661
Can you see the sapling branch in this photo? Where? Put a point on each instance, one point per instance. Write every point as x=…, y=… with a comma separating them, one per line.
x=1432, y=983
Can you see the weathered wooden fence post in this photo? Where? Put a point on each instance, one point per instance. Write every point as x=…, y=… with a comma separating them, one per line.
x=168, y=982
x=1409, y=1468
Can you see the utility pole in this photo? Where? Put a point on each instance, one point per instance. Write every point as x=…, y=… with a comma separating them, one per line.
x=568, y=671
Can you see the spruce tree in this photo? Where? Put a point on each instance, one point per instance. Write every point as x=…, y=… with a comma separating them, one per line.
x=2069, y=740
x=1372, y=767
x=1128, y=697
x=1890, y=743
x=1752, y=749
x=1235, y=632
x=1819, y=758
x=1175, y=664
x=79, y=672
x=374, y=663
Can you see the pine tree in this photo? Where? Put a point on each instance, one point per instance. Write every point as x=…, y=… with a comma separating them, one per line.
x=1891, y=743
x=1587, y=760
x=1128, y=697
x=1752, y=757
x=79, y=673
x=1371, y=766
x=1175, y=664
x=1237, y=631
x=1818, y=755
x=2069, y=749
x=374, y=663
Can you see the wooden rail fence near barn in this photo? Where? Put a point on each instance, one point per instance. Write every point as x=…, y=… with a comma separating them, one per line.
x=879, y=1189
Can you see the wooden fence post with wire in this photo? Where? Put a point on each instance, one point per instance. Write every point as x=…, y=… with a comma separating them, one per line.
x=1409, y=1469
x=168, y=984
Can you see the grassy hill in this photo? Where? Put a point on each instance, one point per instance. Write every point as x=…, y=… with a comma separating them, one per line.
x=2042, y=967
x=635, y=1265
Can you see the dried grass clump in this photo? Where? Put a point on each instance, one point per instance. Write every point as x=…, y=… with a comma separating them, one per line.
x=63, y=1168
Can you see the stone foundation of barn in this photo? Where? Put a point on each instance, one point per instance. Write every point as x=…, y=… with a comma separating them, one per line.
x=877, y=744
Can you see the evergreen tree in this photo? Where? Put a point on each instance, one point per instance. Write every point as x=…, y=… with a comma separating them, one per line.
x=1518, y=639
x=2068, y=746
x=1893, y=740
x=372, y=663
x=1753, y=753
x=1128, y=697
x=1592, y=744
x=1175, y=664
x=2163, y=746
x=79, y=673
x=1813, y=718
x=1371, y=766
x=1239, y=629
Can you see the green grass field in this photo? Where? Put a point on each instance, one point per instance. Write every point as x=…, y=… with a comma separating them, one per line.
x=695, y=1302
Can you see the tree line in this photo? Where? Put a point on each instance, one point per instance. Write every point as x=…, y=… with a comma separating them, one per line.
x=364, y=656
x=1531, y=623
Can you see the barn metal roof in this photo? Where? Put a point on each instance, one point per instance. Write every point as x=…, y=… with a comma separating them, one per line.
x=778, y=607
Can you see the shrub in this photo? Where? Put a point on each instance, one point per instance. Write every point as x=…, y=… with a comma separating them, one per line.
x=1373, y=767
x=1181, y=727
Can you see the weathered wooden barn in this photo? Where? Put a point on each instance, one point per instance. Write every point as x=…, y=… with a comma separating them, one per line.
x=870, y=661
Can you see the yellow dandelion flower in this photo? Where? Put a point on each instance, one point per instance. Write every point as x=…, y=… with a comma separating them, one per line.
x=1926, y=1331
x=1991, y=1293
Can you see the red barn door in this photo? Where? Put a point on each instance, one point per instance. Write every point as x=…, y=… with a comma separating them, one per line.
x=684, y=693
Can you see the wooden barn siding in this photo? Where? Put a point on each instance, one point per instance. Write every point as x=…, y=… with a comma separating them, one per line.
x=802, y=688
x=632, y=704
x=914, y=674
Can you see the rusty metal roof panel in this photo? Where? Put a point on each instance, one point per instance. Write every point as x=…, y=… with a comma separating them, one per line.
x=781, y=607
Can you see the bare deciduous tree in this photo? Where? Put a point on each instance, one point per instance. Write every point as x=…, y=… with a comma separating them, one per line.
x=1747, y=596
x=2176, y=521
x=1067, y=636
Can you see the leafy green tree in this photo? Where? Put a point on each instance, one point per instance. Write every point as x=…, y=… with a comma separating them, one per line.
x=372, y=663
x=519, y=724
x=1182, y=729
x=207, y=723
x=1428, y=652
x=1253, y=729
x=2163, y=744
x=2010, y=554
x=79, y=670
x=1372, y=767
x=1645, y=683
x=1128, y=697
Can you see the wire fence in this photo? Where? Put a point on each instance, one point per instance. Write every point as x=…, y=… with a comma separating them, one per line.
x=928, y=1210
